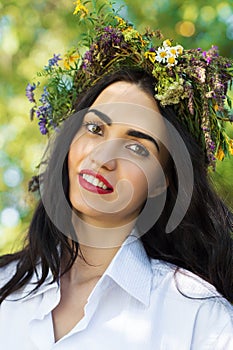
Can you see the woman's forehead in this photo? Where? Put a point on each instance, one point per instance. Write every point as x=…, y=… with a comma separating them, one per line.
x=122, y=91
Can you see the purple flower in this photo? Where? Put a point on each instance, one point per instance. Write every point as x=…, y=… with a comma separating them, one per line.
x=210, y=54
x=53, y=61
x=29, y=92
x=205, y=128
x=212, y=145
x=111, y=37
x=88, y=57
x=44, y=113
x=201, y=74
x=44, y=110
x=44, y=96
x=214, y=50
x=42, y=125
x=207, y=56
x=108, y=29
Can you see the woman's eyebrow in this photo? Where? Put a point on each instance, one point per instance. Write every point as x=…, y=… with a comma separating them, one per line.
x=141, y=135
x=102, y=116
x=130, y=132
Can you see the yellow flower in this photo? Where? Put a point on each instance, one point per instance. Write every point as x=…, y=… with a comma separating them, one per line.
x=120, y=21
x=230, y=146
x=130, y=34
x=171, y=60
x=69, y=58
x=172, y=50
x=167, y=43
x=220, y=154
x=216, y=108
x=80, y=8
x=150, y=55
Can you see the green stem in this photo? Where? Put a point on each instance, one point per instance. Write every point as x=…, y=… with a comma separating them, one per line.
x=94, y=5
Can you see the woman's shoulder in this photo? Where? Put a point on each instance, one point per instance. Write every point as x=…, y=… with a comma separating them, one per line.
x=7, y=272
x=187, y=298
x=29, y=288
x=182, y=283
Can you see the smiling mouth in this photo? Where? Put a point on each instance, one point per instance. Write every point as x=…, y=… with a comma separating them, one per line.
x=94, y=182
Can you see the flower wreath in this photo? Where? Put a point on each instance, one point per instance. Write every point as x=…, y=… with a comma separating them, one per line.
x=183, y=77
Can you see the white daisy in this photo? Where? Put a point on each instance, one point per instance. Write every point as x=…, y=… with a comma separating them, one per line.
x=162, y=55
x=179, y=49
x=171, y=61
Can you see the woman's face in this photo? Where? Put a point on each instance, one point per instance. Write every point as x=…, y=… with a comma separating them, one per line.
x=115, y=160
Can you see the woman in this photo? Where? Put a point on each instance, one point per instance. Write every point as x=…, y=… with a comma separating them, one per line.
x=93, y=275
x=190, y=306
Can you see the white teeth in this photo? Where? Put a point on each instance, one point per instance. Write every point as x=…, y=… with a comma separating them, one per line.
x=94, y=181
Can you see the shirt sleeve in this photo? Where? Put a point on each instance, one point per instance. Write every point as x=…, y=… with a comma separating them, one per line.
x=225, y=339
x=214, y=326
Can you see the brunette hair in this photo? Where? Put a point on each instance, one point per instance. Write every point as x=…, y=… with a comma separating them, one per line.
x=201, y=243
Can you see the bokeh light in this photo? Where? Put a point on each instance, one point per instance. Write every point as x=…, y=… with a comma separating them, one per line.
x=224, y=11
x=190, y=12
x=185, y=28
x=230, y=27
x=12, y=176
x=208, y=14
x=9, y=217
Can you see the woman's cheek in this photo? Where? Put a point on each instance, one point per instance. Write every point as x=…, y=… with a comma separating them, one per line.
x=137, y=177
x=80, y=149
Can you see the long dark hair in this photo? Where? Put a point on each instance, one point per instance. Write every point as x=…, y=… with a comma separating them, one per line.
x=201, y=243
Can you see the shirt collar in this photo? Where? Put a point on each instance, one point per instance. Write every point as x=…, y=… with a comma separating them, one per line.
x=131, y=269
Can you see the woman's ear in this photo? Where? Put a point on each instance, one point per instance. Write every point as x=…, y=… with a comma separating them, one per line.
x=159, y=188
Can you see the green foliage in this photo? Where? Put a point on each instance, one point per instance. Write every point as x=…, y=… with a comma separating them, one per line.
x=32, y=31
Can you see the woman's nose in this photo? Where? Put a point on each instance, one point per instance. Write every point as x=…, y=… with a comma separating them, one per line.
x=109, y=165
x=106, y=155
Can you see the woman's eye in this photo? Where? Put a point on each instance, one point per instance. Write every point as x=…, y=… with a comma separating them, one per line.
x=94, y=128
x=139, y=149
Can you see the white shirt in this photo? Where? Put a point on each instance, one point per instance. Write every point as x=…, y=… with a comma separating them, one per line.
x=136, y=305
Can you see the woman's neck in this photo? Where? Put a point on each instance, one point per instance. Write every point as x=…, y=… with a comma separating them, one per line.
x=91, y=263
x=97, y=248
x=99, y=234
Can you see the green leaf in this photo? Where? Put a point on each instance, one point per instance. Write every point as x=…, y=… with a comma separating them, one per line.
x=229, y=101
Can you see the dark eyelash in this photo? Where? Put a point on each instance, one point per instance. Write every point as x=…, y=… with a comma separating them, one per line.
x=96, y=122
x=146, y=152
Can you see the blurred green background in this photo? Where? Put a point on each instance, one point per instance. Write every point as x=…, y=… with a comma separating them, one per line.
x=30, y=33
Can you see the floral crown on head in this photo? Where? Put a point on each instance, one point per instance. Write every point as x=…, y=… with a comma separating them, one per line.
x=194, y=82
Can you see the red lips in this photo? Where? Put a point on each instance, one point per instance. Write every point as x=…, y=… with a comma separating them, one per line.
x=92, y=188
